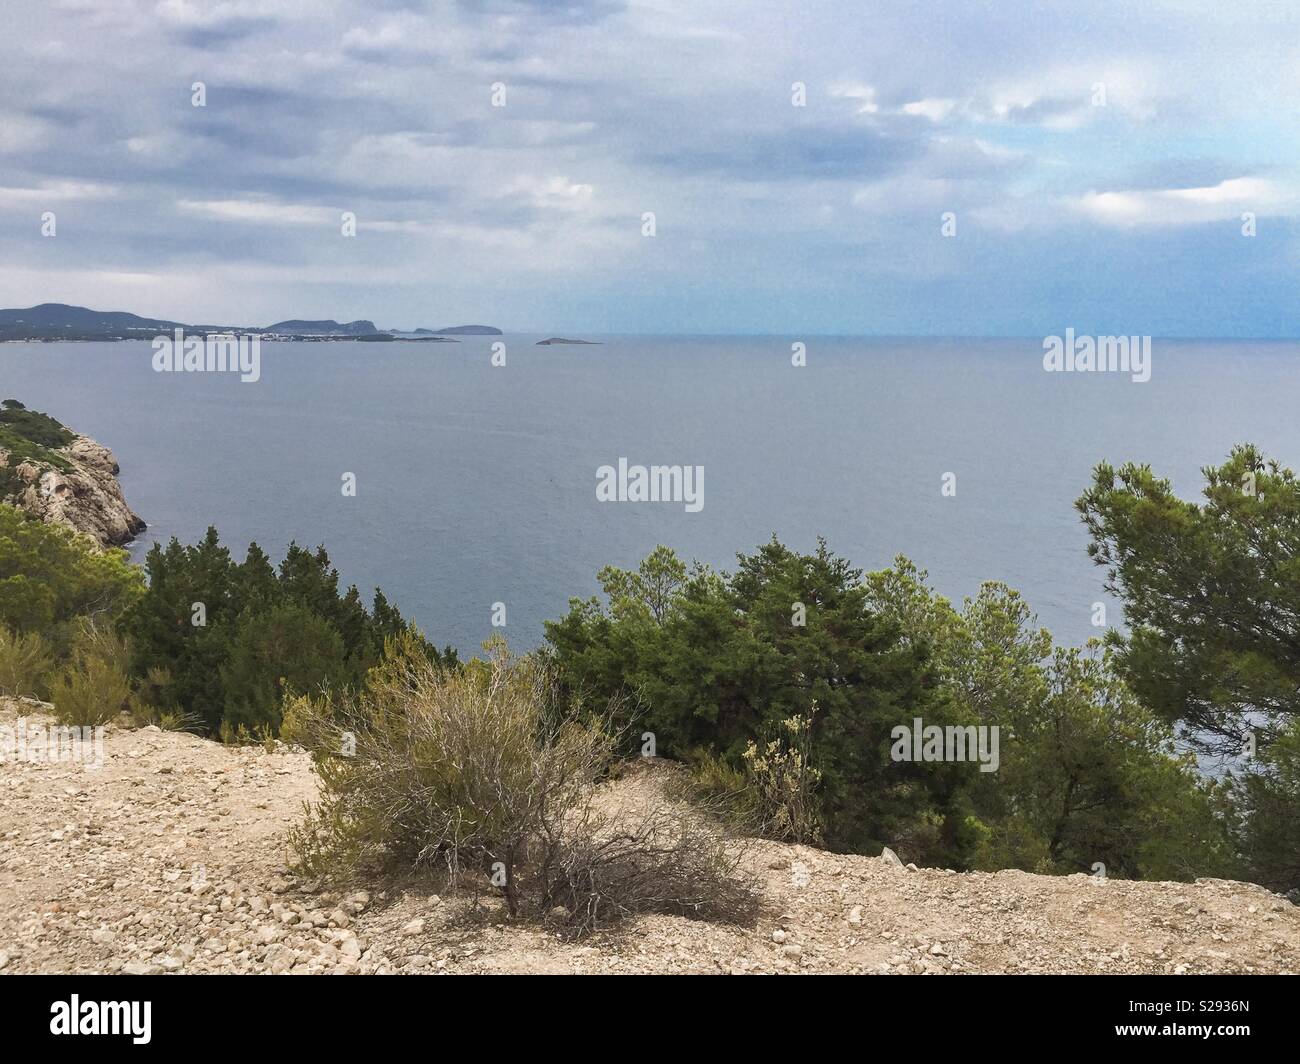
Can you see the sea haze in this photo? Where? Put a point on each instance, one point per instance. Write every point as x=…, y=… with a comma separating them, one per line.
x=476, y=484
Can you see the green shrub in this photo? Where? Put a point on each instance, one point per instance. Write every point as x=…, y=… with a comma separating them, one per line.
x=233, y=637
x=28, y=436
x=25, y=661
x=1211, y=596
x=718, y=660
x=287, y=648
x=50, y=576
x=33, y=426
x=713, y=783
x=1267, y=814
x=90, y=692
x=150, y=705
x=1086, y=774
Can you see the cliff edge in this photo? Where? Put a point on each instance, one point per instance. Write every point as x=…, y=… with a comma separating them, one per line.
x=170, y=857
x=61, y=477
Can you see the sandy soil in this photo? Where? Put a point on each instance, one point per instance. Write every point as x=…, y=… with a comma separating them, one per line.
x=171, y=858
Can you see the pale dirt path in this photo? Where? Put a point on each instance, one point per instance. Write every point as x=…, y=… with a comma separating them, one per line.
x=171, y=858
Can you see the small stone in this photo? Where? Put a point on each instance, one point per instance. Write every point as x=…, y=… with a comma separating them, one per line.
x=855, y=914
x=415, y=927
x=103, y=936
x=778, y=936
x=890, y=857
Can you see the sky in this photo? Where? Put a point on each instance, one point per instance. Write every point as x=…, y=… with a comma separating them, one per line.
x=1094, y=162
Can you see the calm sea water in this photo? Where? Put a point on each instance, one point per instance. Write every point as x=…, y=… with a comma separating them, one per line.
x=476, y=484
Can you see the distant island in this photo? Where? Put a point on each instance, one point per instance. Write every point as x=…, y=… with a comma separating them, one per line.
x=51, y=322
x=296, y=327
x=562, y=340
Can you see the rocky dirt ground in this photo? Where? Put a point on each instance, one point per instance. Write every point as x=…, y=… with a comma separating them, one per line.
x=171, y=858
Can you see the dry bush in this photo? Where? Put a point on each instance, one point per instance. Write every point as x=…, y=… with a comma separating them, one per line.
x=671, y=858
x=478, y=771
x=785, y=781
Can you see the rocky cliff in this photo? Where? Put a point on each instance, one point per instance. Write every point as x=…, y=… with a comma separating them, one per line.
x=63, y=478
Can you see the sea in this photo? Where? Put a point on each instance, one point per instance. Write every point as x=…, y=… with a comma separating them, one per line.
x=476, y=477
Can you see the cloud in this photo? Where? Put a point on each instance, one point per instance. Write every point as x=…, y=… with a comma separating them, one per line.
x=259, y=212
x=935, y=110
x=863, y=96
x=22, y=133
x=213, y=24
x=1188, y=206
x=555, y=193
x=613, y=108
x=829, y=152
x=569, y=12
x=53, y=192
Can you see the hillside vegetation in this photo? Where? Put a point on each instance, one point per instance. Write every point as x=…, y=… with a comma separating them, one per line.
x=777, y=689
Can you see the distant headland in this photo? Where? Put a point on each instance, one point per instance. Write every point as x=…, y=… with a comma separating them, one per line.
x=51, y=322
x=62, y=477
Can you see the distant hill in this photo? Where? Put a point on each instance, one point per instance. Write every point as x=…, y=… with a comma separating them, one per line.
x=298, y=327
x=61, y=321
x=63, y=316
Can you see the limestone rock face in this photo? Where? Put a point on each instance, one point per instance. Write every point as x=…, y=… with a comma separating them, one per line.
x=86, y=497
